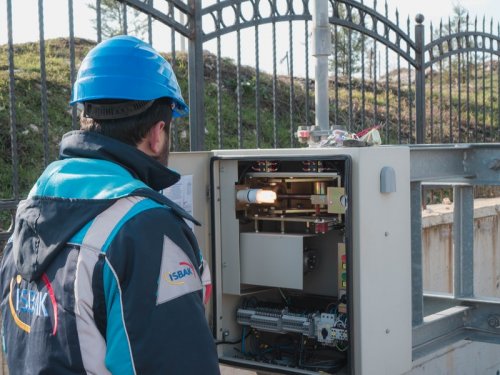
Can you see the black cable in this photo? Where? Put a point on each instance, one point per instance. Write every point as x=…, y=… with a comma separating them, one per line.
x=243, y=173
x=233, y=342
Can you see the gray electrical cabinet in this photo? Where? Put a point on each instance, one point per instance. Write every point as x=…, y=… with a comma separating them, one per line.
x=310, y=256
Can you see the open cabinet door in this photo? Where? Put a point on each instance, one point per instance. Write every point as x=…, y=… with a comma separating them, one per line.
x=192, y=193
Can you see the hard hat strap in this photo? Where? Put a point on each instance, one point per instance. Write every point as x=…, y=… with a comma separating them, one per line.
x=110, y=111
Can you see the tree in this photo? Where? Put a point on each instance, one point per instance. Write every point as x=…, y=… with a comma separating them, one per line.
x=342, y=53
x=347, y=44
x=113, y=19
x=458, y=22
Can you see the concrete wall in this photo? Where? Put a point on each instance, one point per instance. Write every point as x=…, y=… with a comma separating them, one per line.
x=437, y=243
x=461, y=358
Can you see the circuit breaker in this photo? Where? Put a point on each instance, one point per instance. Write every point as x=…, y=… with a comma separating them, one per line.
x=310, y=256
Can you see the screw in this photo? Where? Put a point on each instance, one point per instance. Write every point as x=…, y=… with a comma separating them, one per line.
x=494, y=321
x=495, y=164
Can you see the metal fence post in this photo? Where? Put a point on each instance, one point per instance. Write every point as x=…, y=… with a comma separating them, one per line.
x=416, y=254
x=463, y=241
x=12, y=106
x=420, y=79
x=195, y=79
x=321, y=50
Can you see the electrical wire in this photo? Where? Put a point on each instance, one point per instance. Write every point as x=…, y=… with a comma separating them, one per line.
x=291, y=349
x=221, y=342
x=283, y=296
x=243, y=340
x=318, y=365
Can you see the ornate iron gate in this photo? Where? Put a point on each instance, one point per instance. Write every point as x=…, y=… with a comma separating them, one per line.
x=381, y=74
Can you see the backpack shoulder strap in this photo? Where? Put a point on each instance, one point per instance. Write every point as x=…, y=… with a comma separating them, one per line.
x=99, y=232
x=90, y=305
x=107, y=223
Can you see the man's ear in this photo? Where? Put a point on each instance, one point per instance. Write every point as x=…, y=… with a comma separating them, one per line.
x=155, y=137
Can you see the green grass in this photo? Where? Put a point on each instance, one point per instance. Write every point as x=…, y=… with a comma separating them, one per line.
x=29, y=125
x=31, y=134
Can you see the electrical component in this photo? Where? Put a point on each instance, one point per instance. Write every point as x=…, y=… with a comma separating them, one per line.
x=342, y=276
x=256, y=196
x=310, y=260
x=265, y=166
x=308, y=202
x=291, y=216
x=331, y=328
x=298, y=323
x=276, y=320
x=327, y=328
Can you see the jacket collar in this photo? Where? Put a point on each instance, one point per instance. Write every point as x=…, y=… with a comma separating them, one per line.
x=85, y=144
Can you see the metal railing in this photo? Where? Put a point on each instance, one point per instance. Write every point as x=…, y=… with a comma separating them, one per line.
x=381, y=73
x=464, y=55
x=461, y=313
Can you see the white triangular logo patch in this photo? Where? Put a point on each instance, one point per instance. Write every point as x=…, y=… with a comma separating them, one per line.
x=178, y=276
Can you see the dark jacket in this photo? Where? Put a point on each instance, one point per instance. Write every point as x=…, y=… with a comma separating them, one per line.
x=102, y=274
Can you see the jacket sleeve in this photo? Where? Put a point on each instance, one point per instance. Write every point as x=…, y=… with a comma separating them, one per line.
x=154, y=299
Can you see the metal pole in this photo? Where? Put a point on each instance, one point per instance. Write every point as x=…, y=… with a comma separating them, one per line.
x=431, y=98
x=306, y=38
x=72, y=65
x=219, y=83
x=275, y=81
x=292, y=89
x=420, y=78
x=257, y=84
x=196, y=89
x=125, y=22
x=150, y=23
x=321, y=50
x=463, y=241
x=43, y=88
x=12, y=106
x=416, y=254
x=99, y=20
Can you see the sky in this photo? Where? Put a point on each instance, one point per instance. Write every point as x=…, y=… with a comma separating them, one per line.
x=26, y=27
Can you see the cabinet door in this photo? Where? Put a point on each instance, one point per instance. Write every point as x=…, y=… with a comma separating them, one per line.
x=192, y=193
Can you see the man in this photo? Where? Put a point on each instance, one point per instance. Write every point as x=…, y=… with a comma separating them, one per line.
x=102, y=275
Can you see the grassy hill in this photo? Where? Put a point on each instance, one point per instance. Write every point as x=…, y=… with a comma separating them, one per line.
x=28, y=107
x=30, y=133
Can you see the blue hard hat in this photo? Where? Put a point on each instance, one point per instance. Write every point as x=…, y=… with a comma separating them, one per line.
x=124, y=67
